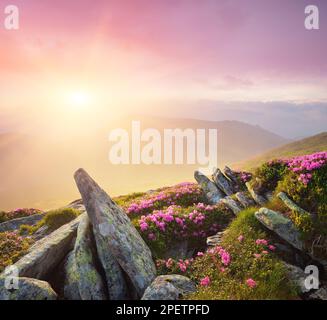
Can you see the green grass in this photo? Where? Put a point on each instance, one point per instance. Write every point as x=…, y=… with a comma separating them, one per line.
x=305, y=146
x=267, y=271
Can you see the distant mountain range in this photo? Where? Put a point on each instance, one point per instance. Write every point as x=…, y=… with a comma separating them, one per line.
x=37, y=171
x=300, y=147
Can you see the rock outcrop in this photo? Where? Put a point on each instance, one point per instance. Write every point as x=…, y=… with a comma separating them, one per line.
x=244, y=199
x=291, y=204
x=211, y=191
x=259, y=199
x=71, y=290
x=232, y=205
x=14, y=224
x=44, y=256
x=116, y=237
x=28, y=289
x=234, y=177
x=281, y=225
x=80, y=268
x=169, y=287
x=215, y=240
x=222, y=182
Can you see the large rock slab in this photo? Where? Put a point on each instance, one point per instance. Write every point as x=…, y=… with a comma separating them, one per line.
x=90, y=283
x=234, y=177
x=281, y=225
x=72, y=278
x=232, y=205
x=222, y=182
x=298, y=277
x=28, y=289
x=169, y=287
x=211, y=191
x=291, y=204
x=14, y=224
x=115, y=234
x=259, y=199
x=245, y=200
x=46, y=254
x=215, y=240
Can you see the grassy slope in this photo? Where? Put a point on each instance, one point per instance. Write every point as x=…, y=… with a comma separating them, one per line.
x=305, y=146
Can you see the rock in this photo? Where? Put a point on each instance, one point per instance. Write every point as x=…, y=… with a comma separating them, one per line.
x=41, y=233
x=234, y=177
x=215, y=240
x=169, y=287
x=222, y=182
x=116, y=237
x=244, y=199
x=320, y=294
x=298, y=276
x=14, y=224
x=178, y=251
x=232, y=205
x=281, y=225
x=72, y=278
x=81, y=270
x=212, y=192
x=259, y=199
x=46, y=254
x=28, y=289
x=291, y=204
x=269, y=196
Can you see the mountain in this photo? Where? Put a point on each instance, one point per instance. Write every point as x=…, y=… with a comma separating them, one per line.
x=308, y=145
x=37, y=171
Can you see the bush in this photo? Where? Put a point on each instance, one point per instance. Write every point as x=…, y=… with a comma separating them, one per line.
x=165, y=228
x=184, y=194
x=12, y=247
x=53, y=220
x=268, y=175
x=243, y=267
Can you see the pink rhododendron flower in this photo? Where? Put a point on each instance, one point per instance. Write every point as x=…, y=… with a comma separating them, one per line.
x=261, y=241
x=251, y=283
x=265, y=252
x=257, y=255
x=200, y=254
x=152, y=236
x=240, y=238
x=272, y=248
x=205, y=282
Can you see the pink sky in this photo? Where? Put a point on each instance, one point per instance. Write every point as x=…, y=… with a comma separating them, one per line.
x=146, y=52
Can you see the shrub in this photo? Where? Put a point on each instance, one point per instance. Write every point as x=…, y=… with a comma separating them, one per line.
x=164, y=228
x=3, y=216
x=184, y=194
x=12, y=247
x=243, y=267
x=53, y=220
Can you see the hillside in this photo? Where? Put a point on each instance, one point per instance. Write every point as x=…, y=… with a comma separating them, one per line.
x=304, y=146
x=36, y=170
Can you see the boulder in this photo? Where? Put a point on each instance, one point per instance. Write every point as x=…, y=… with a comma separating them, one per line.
x=245, y=200
x=14, y=224
x=178, y=251
x=320, y=294
x=291, y=204
x=259, y=199
x=117, y=240
x=281, y=225
x=234, y=177
x=46, y=254
x=298, y=276
x=72, y=278
x=169, y=287
x=222, y=182
x=232, y=205
x=211, y=191
x=28, y=289
x=83, y=282
x=215, y=240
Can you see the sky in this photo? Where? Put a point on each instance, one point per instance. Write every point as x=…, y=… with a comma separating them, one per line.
x=250, y=61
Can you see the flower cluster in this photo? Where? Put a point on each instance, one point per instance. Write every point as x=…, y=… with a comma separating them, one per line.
x=173, y=266
x=175, y=223
x=304, y=165
x=224, y=255
x=20, y=213
x=263, y=244
x=185, y=194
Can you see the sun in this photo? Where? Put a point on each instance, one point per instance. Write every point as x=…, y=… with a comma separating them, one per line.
x=79, y=99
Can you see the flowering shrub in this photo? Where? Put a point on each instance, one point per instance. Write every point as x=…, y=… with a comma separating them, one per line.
x=163, y=228
x=243, y=266
x=184, y=194
x=18, y=213
x=12, y=247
